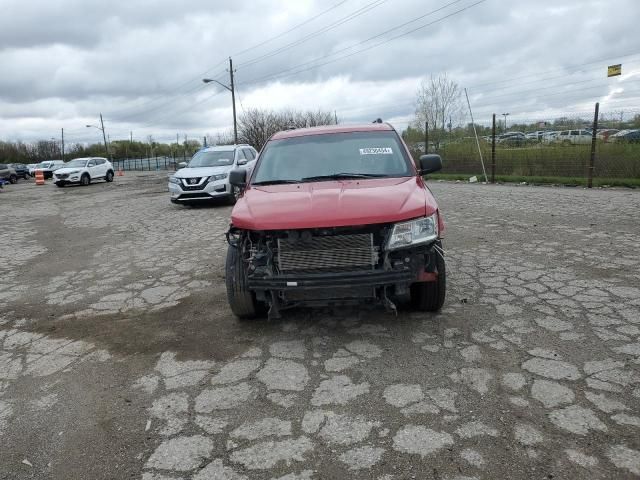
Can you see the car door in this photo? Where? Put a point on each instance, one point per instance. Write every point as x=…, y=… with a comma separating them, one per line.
x=92, y=168
x=101, y=167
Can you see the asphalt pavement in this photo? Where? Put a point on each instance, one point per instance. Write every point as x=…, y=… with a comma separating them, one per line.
x=120, y=359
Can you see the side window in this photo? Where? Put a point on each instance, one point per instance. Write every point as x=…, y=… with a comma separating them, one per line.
x=3, y=166
x=574, y=132
x=248, y=153
x=92, y=163
x=99, y=161
x=240, y=157
x=564, y=133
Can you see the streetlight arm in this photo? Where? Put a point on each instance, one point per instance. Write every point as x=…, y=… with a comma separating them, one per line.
x=93, y=126
x=209, y=80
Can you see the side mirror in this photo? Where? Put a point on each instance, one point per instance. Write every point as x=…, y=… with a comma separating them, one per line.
x=242, y=161
x=238, y=178
x=182, y=165
x=430, y=163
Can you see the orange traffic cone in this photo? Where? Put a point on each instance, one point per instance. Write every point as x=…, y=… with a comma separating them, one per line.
x=120, y=173
x=39, y=177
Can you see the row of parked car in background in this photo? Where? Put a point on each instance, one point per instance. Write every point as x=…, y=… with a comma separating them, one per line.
x=567, y=137
x=80, y=171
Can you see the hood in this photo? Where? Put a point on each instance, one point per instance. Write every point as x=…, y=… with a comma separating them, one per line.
x=69, y=169
x=332, y=204
x=202, y=171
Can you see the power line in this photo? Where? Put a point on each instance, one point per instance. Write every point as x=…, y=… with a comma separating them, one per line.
x=206, y=72
x=359, y=43
x=283, y=74
x=342, y=21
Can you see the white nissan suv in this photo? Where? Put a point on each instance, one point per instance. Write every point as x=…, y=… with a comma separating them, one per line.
x=84, y=171
x=206, y=177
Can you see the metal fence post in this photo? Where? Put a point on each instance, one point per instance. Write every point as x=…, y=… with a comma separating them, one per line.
x=493, y=150
x=592, y=160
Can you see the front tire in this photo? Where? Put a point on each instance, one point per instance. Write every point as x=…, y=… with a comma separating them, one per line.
x=241, y=300
x=59, y=184
x=233, y=196
x=430, y=296
x=85, y=180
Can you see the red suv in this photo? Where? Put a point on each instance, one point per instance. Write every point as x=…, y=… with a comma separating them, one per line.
x=335, y=215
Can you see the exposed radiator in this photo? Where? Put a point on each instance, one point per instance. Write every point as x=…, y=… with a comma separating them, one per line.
x=339, y=252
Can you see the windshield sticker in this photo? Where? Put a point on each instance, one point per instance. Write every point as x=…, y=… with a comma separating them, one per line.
x=376, y=151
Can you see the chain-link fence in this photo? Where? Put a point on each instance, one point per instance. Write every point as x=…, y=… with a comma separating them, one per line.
x=146, y=164
x=559, y=148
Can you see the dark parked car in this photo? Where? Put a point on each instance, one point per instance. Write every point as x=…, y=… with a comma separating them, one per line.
x=512, y=139
x=21, y=170
x=628, y=136
x=8, y=173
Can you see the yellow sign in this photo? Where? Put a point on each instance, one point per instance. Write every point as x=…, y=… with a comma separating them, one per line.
x=614, y=70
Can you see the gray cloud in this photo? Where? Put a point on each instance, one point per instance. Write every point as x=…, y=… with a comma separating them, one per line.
x=140, y=64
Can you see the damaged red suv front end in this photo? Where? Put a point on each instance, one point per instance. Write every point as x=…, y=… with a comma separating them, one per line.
x=332, y=216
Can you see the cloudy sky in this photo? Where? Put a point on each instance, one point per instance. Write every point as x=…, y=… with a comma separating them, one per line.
x=140, y=62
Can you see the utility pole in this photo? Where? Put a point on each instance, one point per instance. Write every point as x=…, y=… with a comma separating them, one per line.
x=233, y=100
x=204, y=141
x=63, y=144
x=335, y=116
x=104, y=137
x=426, y=137
x=232, y=89
x=131, y=136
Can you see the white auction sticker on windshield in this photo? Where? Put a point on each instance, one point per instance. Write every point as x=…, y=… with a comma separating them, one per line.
x=376, y=151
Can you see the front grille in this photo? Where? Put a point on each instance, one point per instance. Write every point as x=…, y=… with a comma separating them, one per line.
x=334, y=253
x=189, y=188
x=62, y=175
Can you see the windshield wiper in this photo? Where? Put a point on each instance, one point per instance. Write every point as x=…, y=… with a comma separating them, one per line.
x=274, y=182
x=340, y=176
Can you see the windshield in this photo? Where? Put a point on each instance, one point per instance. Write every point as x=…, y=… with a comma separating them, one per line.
x=331, y=156
x=79, y=162
x=212, y=159
x=43, y=165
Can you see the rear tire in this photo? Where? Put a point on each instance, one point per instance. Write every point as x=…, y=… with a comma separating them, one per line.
x=241, y=300
x=13, y=179
x=429, y=296
x=109, y=176
x=85, y=180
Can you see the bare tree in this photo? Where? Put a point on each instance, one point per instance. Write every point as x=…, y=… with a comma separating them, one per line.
x=255, y=126
x=439, y=102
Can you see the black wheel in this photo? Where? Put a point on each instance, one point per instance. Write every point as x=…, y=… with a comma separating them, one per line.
x=429, y=296
x=13, y=179
x=109, y=176
x=173, y=200
x=85, y=179
x=242, y=301
x=60, y=184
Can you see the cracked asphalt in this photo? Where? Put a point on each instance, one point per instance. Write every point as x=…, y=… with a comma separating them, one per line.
x=119, y=357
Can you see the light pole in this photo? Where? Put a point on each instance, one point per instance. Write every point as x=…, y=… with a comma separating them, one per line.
x=104, y=137
x=505, y=120
x=233, y=98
